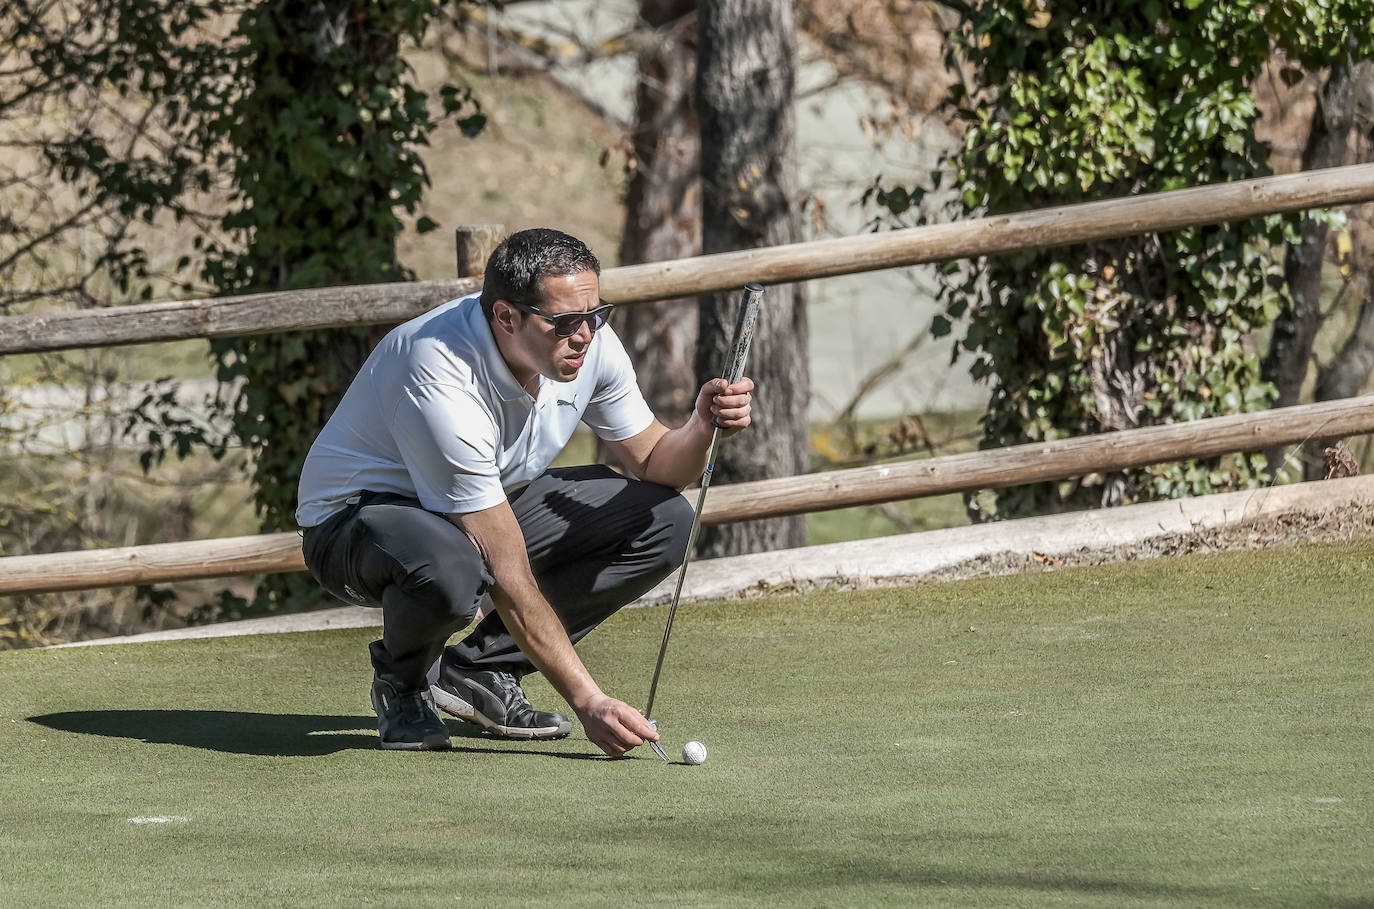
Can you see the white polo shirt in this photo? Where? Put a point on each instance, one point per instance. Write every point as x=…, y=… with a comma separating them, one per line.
x=435, y=414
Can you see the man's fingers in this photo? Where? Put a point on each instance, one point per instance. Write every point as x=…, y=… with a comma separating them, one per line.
x=742, y=387
x=630, y=727
x=717, y=387
x=636, y=723
x=614, y=749
x=728, y=403
x=618, y=727
x=724, y=411
x=610, y=744
x=730, y=406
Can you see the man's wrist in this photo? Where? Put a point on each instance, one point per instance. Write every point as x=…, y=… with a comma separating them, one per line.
x=584, y=697
x=701, y=428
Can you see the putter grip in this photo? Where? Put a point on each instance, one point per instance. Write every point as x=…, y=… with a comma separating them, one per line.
x=744, y=330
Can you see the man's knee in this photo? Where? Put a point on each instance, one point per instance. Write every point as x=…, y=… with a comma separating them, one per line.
x=442, y=574
x=675, y=516
x=453, y=586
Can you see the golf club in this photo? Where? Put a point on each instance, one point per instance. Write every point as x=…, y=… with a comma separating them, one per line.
x=744, y=335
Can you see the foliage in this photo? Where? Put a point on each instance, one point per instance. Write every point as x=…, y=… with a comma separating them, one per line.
x=323, y=147
x=304, y=117
x=87, y=168
x=1070, y=104
x=89, y=159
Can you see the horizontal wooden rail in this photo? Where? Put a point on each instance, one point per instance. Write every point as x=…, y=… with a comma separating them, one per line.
x=158, y=563
x=1013, y=466
x=1018, y=465
x=226, y=317
x=1039, y=229
x=379, y=303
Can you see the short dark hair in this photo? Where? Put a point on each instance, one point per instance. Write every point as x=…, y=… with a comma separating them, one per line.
x=516, y=270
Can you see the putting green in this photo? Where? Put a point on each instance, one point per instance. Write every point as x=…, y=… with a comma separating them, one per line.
x=1189, y=731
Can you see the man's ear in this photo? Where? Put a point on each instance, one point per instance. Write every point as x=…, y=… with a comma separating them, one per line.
x=505, y=316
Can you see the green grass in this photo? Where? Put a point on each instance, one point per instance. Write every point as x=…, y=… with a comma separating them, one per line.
x=1193, y=731
x=868, y=521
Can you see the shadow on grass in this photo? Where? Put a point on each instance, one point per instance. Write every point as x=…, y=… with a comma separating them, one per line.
x=819, y=870
x=1059, y=883
x=274, y=734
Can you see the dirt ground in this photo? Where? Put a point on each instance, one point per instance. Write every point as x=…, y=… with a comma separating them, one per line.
x=1334, y=525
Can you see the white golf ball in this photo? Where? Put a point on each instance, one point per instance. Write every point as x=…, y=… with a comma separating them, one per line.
x=694, y=753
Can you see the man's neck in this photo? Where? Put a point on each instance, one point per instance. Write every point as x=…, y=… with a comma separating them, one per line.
x=528, y=379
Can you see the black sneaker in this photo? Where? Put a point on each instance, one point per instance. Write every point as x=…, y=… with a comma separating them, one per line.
x=407, y=720
x=496, y=702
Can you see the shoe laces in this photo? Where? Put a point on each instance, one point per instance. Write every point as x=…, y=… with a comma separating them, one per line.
x=510, y=685
x=410, y=706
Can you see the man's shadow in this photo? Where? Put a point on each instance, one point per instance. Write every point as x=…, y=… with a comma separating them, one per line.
x=272, y=734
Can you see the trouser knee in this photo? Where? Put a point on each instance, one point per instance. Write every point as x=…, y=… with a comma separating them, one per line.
x=675, y=516
x=439, y=583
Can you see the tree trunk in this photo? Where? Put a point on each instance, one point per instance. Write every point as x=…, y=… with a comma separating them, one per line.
x=1346, y=377
x=315, y=221
x=1295, y=330
x=663, y=205
x=1348, y=372
x=746, y=75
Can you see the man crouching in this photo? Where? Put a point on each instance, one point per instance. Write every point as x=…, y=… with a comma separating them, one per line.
x=428, y=493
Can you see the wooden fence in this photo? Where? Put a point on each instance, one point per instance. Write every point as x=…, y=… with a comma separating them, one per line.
x=381, y=303
x=1012, y=466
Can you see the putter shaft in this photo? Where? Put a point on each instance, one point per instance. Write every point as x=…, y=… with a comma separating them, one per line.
x=682, y=573
x=744, y=336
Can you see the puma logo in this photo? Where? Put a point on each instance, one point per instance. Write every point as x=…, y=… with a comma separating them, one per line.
x=572, y=403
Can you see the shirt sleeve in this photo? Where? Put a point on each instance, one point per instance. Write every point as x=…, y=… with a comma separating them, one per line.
x=617, y=409
x=448, y=441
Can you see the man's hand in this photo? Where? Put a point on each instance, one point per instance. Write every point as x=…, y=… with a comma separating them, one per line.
x=676, y=457
x=614, y=726
x=726, y=405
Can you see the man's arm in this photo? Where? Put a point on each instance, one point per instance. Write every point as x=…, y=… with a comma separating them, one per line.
x=676, y=457
x=613, y=726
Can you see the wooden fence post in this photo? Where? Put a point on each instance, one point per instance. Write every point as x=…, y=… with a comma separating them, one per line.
x=476, y=243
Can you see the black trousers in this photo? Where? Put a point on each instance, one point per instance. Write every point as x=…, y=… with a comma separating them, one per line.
x=596, y=540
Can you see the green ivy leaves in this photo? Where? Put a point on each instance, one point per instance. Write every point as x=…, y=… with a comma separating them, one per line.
x=1072, y=106
x=310, y=111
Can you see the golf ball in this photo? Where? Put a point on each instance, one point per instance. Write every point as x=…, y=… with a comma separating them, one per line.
x=694, y=753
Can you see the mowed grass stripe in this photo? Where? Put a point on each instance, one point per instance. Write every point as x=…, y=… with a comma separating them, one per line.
x=1189, y=731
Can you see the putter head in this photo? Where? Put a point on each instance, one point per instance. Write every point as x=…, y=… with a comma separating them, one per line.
x=658, y=749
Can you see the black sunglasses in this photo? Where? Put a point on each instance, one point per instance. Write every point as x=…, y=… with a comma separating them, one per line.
x=566, y=324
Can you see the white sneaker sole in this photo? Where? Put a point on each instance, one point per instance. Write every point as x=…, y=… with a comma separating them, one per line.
x=455, y=706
